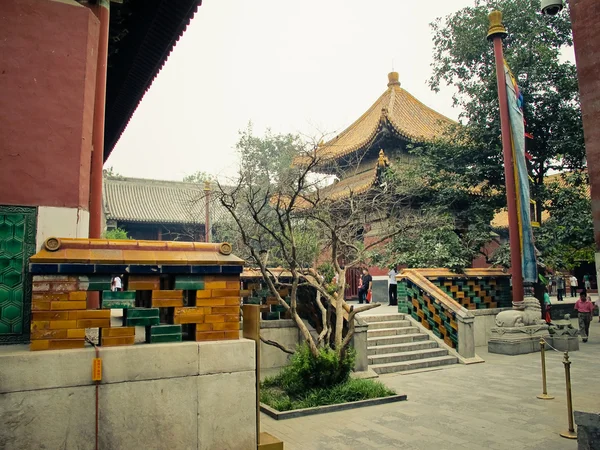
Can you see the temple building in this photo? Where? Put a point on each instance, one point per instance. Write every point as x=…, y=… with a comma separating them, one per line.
x=382, y=134
x=159, y=209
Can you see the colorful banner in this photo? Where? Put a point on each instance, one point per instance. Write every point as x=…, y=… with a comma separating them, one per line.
x=517, y=128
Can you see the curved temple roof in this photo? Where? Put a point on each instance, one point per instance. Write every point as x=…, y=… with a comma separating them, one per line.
x=400, y=111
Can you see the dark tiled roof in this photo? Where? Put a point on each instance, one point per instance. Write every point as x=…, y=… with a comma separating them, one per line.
x=142, y=34
x=158, y=201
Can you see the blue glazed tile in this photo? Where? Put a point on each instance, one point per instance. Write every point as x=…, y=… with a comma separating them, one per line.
x=144, y=269
x=76, y=268
x=176, y=269
x=232, y=269
x=111, y=268
x=36, y=269
x=206, y=269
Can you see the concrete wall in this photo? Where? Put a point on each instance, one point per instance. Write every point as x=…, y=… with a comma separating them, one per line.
x=282, y=331
x=485, y=319
x=48, y=55
x=176, y=396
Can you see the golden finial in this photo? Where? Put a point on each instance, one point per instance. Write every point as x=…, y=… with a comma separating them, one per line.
x=496, y=27
x=393, y=78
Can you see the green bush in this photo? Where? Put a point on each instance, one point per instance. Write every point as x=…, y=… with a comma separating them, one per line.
x=305, y=372
x=350, y=391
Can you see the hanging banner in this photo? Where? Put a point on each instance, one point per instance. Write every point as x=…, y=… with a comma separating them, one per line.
x=517, y=128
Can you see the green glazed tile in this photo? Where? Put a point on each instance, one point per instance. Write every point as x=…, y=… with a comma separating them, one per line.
x=118, y=295
x=163, y=329
x=118, y=304
x=140, y=313
x=160, y=338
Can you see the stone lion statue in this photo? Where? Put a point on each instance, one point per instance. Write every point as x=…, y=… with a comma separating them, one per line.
x=525, y=313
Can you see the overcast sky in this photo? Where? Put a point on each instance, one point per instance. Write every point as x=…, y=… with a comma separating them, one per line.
x=307, y=66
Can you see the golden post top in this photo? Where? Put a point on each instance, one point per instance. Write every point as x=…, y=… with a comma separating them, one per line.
x=496, y=27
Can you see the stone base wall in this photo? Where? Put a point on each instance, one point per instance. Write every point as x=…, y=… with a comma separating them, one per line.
x=485, y=320
x=191, y=395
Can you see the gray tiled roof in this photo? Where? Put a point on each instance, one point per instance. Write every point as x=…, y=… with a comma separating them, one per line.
x=157, y=201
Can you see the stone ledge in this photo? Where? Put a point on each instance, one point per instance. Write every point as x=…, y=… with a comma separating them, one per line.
x=282, y=415
x=281, y=323
x=22, y=370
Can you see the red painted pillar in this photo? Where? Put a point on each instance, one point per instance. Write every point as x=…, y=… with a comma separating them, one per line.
x=496, y=33
x=102, y=10
x=585, y=17
x=207, y=208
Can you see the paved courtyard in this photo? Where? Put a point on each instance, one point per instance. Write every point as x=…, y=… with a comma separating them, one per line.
x=490, y=405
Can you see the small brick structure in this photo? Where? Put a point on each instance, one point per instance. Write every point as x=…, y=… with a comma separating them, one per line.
x=169, y=286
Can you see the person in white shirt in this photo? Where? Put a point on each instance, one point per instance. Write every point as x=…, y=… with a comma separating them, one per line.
x=116, y=284
x=392, y=287
x=573, y=283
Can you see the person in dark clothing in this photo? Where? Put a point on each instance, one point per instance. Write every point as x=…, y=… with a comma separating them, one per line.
x=392, y=287
x=366, y=285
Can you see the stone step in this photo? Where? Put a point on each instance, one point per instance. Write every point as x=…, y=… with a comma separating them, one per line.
x=391, y=331
x=381, y=317
x=404, y=347
x=407, y=356
x=394, y=324
x=413, y=365
x=398, y=339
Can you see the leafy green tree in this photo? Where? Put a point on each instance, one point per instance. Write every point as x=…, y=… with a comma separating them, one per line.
x=198, y=177
x=566, y=239
x=116, y=233
x=464, y=60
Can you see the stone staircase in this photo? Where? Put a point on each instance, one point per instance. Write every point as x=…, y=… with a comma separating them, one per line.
x=394, y=344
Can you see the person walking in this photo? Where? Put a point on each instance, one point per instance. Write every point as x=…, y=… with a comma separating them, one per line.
x=573, y=282
x=584, y=308
x=560, y=287
x=547, y=306
x=587, y=283
x=365, y=287
x=392, y=287
x=116, y=284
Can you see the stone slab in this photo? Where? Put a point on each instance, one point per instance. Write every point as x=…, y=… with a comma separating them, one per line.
x=149, y=414
x=232, y=400
x=565, y=343
x=48, y=419
x=225, y=356
x=515, y=346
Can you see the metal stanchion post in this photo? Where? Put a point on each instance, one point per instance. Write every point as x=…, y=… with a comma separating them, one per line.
x=544, y=395
x=571, y=433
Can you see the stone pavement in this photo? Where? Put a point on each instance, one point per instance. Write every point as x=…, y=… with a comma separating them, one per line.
x=492, y=405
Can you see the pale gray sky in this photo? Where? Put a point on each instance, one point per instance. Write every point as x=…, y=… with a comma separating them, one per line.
x=307, y=66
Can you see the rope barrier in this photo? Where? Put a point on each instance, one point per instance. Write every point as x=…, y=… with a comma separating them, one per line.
x=546, y=343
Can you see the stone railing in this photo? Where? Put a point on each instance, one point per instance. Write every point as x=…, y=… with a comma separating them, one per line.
x=436, y=311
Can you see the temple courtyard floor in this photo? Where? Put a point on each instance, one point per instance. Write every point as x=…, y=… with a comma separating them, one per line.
x=491, y=405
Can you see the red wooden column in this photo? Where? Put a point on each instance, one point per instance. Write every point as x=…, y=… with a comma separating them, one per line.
x=496, y=33
x=102, y=11
x=585, y=21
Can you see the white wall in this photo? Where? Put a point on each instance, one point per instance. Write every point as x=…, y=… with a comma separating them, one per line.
x=61, y=222
x=485, y=320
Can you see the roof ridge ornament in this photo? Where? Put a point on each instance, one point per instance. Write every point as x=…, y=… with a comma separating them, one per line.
x=393, y=79
x=496, y=26
x=382, y=161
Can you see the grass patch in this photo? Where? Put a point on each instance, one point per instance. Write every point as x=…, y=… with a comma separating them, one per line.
x=274, y=394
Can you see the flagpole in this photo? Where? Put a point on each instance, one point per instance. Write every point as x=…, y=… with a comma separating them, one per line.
x=496, y=33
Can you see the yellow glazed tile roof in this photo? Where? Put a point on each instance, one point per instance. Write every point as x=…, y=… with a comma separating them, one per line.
x=407, y=116
x=106, y=251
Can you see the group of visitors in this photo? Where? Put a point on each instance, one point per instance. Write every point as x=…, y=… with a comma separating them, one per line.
x=558, y=283
x=365, y=287
x=584, y=305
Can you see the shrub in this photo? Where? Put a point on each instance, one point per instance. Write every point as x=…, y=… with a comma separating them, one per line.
x=350, y=391
x=305, y=372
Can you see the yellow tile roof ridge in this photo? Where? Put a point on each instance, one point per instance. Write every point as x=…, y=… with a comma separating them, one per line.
x=409, y=118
